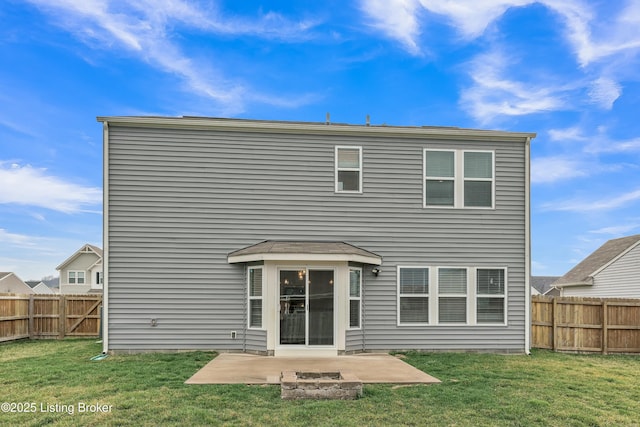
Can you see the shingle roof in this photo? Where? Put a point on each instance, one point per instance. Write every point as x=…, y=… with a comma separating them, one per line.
x=582, y=273
x=543, y=283
x=274, y=247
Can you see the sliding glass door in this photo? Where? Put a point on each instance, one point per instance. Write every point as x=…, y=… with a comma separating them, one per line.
x=307, y=307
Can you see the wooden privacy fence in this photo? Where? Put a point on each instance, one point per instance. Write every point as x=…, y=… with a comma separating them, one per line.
x=49, y=316
x=604, y=325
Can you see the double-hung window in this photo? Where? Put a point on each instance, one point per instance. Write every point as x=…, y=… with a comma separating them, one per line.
x=478, y=179
x=459, y=178
x=348, y=174
x=470, y=296
x=439, y=171
x=413, y=295
x=452, y=295
x=355, y=298
x=490, y=294
x=255, y=297
x=76, y=278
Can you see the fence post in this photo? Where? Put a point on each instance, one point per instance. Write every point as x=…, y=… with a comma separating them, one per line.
x=605, y=327
x=554, y=316
x=62, y=317
x=31, y=309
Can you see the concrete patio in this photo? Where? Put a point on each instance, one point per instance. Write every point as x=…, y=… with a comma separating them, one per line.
x=241, y=368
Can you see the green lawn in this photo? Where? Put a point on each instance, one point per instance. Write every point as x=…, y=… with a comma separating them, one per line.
x=477, y=389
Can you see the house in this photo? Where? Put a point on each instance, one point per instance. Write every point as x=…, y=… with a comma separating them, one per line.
x=613, y=270
x=541, y=285
x=12, y=284
x=289, y=238
x=39, y=287
x=82, y=271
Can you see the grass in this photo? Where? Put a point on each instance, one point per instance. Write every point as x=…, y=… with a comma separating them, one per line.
x=544, y=389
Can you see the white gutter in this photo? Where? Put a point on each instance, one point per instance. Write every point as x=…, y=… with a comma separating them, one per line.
x=105, y=237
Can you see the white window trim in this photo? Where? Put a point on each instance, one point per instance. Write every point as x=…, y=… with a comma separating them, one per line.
x=253, y=298
x=458, y=179
x=338, y=169
x=84, y=277
x=471, y=296
x=359, y=299
x=427, y=295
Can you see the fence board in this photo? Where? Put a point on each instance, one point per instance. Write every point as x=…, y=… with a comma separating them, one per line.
x=49, y=316
x=604, y=325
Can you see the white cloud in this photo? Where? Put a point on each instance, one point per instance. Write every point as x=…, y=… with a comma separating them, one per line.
x=25, y=185
x=578, y=205
x=604, y=144
x=494, y=94
x=546, y=170
x=568, y=134
x=604, y=92
x=7, y=238
x=397, y=19
x=472, y=17
x=596, y=36
x=592, y=34
x=144, y=28
x=617, y=230
x=596, y=142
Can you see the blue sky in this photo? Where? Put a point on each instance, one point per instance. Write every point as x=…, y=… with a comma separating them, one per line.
x=566, y=69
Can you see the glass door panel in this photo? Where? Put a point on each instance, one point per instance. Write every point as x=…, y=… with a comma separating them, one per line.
x=293, y=300
x=320, y=307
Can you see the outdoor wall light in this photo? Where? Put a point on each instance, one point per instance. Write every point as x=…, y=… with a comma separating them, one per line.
x=375, y=271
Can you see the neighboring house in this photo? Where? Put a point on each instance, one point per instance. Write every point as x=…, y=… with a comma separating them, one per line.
x=12, y=284
x=39, y=287
x=613, y=270
x=310, y=238
x=82, y=271
x=541, y=285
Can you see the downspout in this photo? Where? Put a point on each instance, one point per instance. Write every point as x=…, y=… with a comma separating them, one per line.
x=362, y=315
x=105, y=237
x=527, y=237
x=245, y=276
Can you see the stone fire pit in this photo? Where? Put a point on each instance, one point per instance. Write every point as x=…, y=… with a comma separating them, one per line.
x=320, y=385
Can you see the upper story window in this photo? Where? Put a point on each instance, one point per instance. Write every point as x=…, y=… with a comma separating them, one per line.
x=348, y=170
x=75, y=278
x=459, y=179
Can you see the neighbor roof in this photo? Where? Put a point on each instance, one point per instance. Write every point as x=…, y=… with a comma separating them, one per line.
x=582, y=274
x=304, y=251
x=84, y=249
x=33, y=283
x=543, y=283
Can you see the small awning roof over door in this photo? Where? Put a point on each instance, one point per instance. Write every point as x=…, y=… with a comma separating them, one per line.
x=273, y=250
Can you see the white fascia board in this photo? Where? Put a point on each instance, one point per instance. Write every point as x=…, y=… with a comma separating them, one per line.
x=315, y=128
x=305, y=257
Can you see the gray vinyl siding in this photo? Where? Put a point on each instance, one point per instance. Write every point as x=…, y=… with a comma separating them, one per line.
x=256, y=340
x=620, y=279
x=181, y=199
